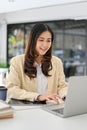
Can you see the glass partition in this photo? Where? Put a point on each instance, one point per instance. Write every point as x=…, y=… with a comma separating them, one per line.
x=69, y=43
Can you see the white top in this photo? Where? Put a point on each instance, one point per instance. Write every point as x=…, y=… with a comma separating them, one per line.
x=41, y=80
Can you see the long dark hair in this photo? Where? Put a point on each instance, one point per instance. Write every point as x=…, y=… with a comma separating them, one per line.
x=30, y=53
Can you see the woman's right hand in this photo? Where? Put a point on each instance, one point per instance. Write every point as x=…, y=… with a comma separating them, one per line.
x=47, y=97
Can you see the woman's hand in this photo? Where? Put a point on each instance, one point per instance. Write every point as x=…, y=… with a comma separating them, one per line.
x=47, y=97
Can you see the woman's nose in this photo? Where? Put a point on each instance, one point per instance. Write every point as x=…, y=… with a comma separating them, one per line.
x=45, y=44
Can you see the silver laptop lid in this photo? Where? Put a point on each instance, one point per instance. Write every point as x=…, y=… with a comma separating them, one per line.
x=76, y=100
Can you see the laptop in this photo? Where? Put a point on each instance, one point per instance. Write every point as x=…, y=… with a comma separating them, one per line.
x=76, y=99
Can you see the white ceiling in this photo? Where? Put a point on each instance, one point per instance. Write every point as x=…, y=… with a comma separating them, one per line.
x=15, y=5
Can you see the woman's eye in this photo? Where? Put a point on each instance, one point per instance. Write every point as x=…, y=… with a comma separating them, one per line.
x=41, y=40
x=48, y=41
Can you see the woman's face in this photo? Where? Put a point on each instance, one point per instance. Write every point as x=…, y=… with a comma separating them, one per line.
x=43, y=43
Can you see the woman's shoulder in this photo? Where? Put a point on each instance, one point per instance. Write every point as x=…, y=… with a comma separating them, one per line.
x=56, y=59
x=18, y=58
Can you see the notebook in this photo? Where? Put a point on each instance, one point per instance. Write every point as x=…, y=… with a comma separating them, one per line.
x=6, y=111
x=76, y=99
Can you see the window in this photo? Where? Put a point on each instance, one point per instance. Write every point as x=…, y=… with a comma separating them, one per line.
x=69, y=43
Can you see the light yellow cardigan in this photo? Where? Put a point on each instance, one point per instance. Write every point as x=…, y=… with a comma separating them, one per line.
x=21, y=87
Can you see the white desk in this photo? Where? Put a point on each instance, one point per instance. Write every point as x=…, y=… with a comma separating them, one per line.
x=38, y=119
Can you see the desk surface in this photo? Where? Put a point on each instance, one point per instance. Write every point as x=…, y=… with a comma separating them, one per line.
x=38, y=119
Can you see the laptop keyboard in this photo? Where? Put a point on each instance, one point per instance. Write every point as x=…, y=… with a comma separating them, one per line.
x=59, y=110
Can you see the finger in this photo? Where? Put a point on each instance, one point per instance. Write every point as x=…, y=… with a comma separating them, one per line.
x=47, y=99
x=58, y=97
x=64, y=98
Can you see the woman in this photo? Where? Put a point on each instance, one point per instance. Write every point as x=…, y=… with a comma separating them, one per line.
x=37, y=75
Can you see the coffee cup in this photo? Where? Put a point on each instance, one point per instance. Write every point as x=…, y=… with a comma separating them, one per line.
x=3, y=93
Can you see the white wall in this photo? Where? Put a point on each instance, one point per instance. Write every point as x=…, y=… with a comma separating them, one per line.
x=3, y=38
x=3, y=43
x=62, y=11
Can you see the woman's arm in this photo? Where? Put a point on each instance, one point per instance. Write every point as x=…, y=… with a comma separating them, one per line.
x=14, y=83
x=62, y=88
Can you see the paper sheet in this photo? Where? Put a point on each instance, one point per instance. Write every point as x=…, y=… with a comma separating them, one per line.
x=3, y=105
